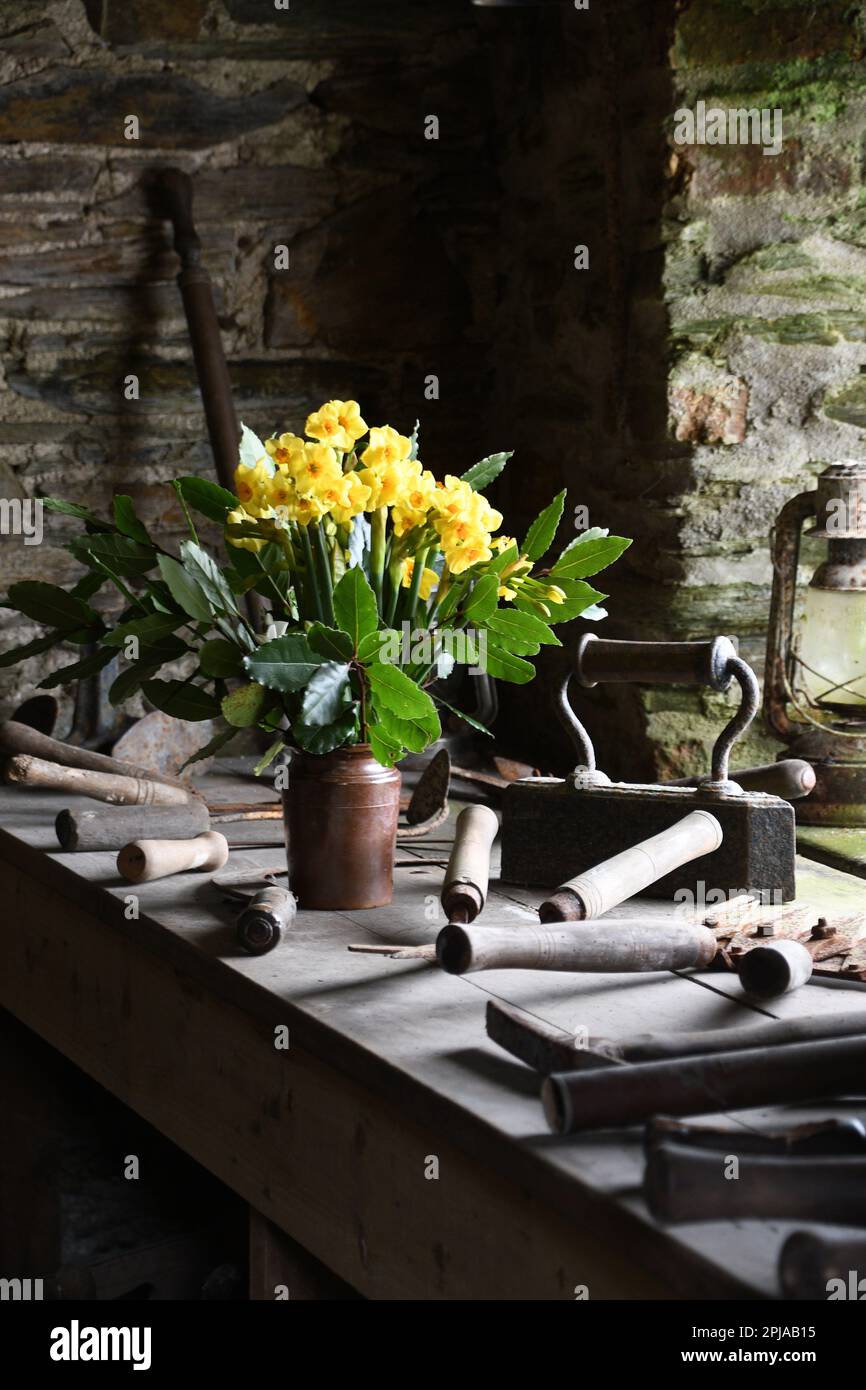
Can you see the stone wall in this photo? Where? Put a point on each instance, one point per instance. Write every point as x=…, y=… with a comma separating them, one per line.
x=699, y=372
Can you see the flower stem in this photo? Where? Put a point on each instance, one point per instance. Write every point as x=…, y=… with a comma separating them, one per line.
x=415, y=586
x=311, y=589
x=377, y=552
x=327, y=594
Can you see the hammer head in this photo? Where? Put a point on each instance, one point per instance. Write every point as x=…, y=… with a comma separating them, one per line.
x=552, y=830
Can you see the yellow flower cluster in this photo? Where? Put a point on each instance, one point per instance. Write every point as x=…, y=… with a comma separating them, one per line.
x=304, y=480
x=428, y=582
x=463, y=521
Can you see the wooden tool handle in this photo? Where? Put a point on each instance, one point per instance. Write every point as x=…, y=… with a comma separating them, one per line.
x=790, y=778
x=146, y=860
x=596, y=891
x=808, y=1262
x=654, y=663
x=20, y=738
x=698, y=1085
x=261, y=924
x=25, y=771
x=464, y=891
x=656, y=1047
x=175, y=191
x=86, y=830
x=687, y=1184
x=599, y=948
x=774, y=968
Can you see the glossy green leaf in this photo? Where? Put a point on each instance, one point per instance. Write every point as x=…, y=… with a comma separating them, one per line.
x=386, y=749
x=119, y=554
x=285, y=663
x=541, y=533
x=589, y=553
x=326, y=695
x=413, y=732
x=220, y=658
x=127, y=522
x=394, y=691
x=58, y=504
x=39, y=644
x=251, y=450
x=204, y=569
x=325, y=738
x=186, y=591
x=467, y=718
x=181, y=699
x=149, y=628
x=483, y=473
x=47, y=603
x=330, y=642
x=370, y=648
x=504, y=666
x=481, y=603
x=130, y=681
x=206, y=497
x=355, y=610
x=87, y=666
x=578, y=596
x=521, y=633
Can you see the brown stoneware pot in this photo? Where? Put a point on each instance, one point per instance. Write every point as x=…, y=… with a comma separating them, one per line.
x=340, y=811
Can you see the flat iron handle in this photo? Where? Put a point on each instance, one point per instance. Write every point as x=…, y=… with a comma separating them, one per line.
x=602, y=659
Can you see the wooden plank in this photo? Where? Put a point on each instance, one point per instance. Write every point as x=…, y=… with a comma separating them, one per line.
x=396, y=1040
x=280, y=1269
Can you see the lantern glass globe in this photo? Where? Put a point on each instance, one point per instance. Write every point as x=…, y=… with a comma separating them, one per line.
x=831, y=650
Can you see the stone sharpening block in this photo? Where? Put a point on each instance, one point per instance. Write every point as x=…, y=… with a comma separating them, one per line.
x=552, y=831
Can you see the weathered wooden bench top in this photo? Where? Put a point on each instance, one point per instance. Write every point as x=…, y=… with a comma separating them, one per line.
x=388, y=1065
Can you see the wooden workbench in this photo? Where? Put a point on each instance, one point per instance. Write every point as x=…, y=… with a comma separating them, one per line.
x=391, y=1139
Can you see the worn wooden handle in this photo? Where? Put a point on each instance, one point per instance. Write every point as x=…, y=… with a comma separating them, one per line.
x=25, y=771
x=464, y=891
x=600, y=948
x=20, y=738
x=687, y=1184
x=698, y=1085
x=790, y=778
x=774, y=968
x=86, y=830
x=261, y=924
x=146, y=860
x=597, y=890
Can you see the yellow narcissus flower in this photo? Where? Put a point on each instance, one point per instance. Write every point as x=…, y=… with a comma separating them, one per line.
x=429, y=579
x=252, y=485
x=337, y=423
x=351, y=497
x=553, y=594
x=316, y=470
x=416, y=500
x=239, y=518
x=284, y=448
x=386, y=447
x=465, y=545
x=503, y=543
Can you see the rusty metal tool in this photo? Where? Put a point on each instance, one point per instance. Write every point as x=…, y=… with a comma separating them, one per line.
x=819, y=1267
x=261, y=924
x=548, y=1049
x=682, y=1183
x=554, y=829
x=697, y=1085
x=143, y=861
x=822, y=1137
x=464, y=891
x=597, y=947
x=604, y=886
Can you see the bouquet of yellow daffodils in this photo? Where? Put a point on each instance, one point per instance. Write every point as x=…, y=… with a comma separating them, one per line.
x=372, y=578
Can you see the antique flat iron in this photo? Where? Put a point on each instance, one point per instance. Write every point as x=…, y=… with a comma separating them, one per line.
x=553, y=829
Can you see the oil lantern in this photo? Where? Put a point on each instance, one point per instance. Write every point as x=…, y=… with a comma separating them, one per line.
x=815, y=687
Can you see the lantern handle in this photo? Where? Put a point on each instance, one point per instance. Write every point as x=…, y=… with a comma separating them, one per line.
x=785, y=554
